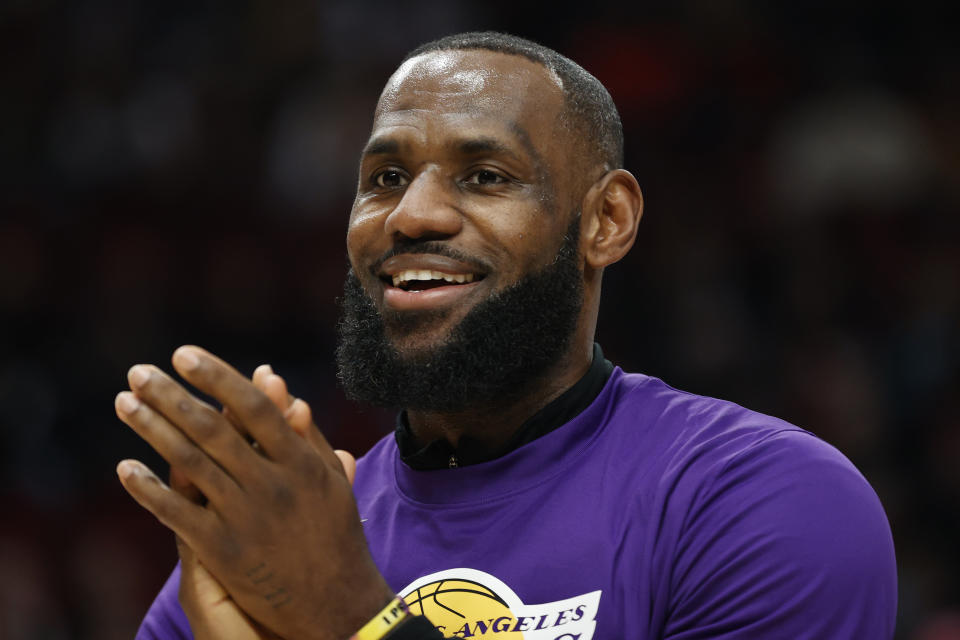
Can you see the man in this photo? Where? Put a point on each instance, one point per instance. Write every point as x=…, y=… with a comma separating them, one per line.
x=531, y=489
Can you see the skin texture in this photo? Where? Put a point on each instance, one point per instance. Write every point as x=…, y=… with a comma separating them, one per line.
x=260, y=502
x=211, y=610
x=465, y=152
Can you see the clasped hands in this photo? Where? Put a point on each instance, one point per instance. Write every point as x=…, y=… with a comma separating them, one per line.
x=267, y=527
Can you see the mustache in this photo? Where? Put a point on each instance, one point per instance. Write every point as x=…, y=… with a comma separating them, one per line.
x=429, y=246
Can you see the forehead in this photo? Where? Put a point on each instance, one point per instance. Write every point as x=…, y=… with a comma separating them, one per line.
x=469, y=89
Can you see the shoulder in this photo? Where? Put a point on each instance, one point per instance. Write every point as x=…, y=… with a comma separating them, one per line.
x=709, y=451
x=768, y=527
x=789, y=537
x=691, y=437
x=650, y=399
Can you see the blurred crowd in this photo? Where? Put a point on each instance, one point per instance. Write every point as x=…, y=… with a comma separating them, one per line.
x=182, y=172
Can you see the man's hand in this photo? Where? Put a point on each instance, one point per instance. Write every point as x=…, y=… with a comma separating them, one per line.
x=298, y=415
x=212, y=612
x=280, y=529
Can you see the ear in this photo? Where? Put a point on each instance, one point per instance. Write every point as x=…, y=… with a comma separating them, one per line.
x=611, y=212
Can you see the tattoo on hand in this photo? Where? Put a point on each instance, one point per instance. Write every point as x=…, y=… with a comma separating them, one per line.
x=261, y=574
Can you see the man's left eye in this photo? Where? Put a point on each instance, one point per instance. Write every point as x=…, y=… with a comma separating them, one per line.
x=485, y=176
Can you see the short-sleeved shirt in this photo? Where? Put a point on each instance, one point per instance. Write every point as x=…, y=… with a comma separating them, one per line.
x=653, y=514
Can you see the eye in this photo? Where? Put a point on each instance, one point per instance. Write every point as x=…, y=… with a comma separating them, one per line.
x=390, y=178
x=485, y=176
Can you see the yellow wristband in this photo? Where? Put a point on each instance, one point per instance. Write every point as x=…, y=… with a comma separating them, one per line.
x=384, y=622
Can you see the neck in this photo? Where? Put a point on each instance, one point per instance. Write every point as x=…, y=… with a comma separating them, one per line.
x=493, y=425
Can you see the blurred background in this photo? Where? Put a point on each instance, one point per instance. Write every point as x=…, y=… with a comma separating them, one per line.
x=182, y=172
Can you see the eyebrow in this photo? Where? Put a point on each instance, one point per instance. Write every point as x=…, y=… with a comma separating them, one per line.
x=381, y=146
x=483, y=144
x=524, y=139
x=387, y=146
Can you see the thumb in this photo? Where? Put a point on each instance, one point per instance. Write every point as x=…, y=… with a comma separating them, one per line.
x=198, y=588
x=349, y=464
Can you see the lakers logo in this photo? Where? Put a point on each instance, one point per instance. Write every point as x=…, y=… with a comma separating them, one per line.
x=466, y=603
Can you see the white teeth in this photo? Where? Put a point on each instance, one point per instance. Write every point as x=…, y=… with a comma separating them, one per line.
x=426, y=274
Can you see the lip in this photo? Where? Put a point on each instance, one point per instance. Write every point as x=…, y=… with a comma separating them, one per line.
x=428, y=299
x=429, y=261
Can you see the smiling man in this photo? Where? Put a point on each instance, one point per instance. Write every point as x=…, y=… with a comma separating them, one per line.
x=531, y=488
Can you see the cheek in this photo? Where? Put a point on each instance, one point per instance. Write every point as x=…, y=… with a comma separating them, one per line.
x=534, y=244
x=364, y=214
x=362, y=235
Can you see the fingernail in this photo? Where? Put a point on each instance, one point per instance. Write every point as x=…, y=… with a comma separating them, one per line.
x=138, y=375
x=185, y=359
x=269, y=368
x=126, y=469
x=127, y=402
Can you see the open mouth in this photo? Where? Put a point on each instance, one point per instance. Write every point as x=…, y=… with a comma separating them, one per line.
x=424, y=279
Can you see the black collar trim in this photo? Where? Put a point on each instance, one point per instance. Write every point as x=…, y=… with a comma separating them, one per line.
x=440, y=454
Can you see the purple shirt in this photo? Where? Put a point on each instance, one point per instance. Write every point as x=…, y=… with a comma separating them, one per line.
x=653, y=514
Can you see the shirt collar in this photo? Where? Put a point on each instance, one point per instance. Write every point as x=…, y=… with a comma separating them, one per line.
x=440, y=454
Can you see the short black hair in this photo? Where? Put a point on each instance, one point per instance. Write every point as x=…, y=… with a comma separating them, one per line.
x=589, y=106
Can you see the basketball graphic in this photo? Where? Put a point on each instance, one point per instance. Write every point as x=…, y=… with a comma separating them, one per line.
x=463, y=607
x=466, y=603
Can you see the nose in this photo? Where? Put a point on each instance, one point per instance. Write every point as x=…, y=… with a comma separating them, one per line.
x=426, y=211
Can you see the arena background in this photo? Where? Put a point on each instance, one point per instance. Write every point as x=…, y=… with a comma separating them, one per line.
x=181, y=172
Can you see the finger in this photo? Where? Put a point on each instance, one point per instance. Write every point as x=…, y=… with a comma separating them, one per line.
x=275, y=388
x=254, y=409
x=259, y=373
x=349, y=464
x=300, y=418
x=178, y=514
x=180, y=483
x=277, y=394
x=175, y=447
x=273, y=385
x=197, y=585
x=210, y=609
x=235, y=421
x=197, y=420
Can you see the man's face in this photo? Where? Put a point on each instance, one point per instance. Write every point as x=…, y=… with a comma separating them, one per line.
x=466, y=282
x=460, y=192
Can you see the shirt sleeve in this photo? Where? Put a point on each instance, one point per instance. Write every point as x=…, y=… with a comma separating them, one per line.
x=165, y=620
x=787, y=541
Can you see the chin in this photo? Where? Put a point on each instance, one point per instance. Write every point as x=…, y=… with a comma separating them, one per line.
x=420, y=330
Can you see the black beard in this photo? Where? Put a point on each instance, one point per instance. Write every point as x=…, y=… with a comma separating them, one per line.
x=500, y=349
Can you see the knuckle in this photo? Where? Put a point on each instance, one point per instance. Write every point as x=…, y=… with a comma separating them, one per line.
x=259, y=407
x=282, y=496
x=214, y=373
x=190, y=458
x=313, y=469
x=202, y=427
